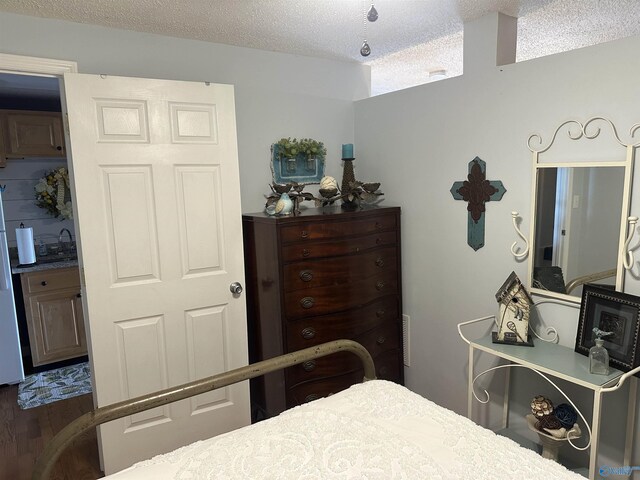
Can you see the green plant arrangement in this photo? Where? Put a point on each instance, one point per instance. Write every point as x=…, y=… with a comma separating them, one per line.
x=53, y=193
x=291, y=148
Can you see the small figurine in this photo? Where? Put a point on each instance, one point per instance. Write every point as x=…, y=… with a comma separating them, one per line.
x=601, y=333
x=284, y=206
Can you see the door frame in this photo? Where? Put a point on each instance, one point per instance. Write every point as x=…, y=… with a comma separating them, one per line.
x=41, y=67
x=50, y=67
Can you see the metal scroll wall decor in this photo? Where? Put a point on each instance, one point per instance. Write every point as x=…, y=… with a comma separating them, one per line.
x=477, y=191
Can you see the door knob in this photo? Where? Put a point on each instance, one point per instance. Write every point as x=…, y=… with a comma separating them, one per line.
x=235, y=288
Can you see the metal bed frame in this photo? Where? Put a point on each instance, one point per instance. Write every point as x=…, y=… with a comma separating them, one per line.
x=90, y=420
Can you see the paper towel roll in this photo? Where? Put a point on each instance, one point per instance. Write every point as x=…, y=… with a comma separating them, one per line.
x=26, y=250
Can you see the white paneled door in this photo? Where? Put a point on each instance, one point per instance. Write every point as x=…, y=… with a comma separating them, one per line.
x=157, y=196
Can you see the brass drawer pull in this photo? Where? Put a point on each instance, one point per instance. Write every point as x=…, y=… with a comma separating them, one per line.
x=379, y=285
x=305, y=253
x=306, y=275
x=381, y=339
x=304, y=234
x=379, y=262
x=308, y=333
x=380, y=313
x=312, y=397
x=309, y=365
x=307, y=302
x=43, y=283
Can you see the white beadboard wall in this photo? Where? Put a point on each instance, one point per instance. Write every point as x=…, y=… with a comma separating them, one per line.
x=20, y=176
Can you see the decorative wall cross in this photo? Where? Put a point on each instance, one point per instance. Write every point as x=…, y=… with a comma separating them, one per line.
x=477, y=191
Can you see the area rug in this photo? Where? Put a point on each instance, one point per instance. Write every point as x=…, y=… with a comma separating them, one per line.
x=48, y=387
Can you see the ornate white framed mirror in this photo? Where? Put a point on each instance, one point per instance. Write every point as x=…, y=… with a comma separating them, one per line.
x=580, y=208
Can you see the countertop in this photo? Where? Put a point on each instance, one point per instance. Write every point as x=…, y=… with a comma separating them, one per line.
x=50, y=264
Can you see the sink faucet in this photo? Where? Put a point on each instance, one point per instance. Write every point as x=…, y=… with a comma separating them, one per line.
x=60, y=238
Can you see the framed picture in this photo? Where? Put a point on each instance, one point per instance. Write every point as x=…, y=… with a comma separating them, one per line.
x=615, y=312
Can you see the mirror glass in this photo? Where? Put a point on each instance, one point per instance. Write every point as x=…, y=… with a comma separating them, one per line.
x=577, y=227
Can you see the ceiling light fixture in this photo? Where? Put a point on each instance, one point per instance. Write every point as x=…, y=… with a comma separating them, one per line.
x=437, y=74
x=370, y=16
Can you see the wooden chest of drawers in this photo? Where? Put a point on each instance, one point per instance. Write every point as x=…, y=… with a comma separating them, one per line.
x=319, y=276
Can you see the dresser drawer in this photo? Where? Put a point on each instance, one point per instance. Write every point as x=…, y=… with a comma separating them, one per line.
x=325, y=387
x=307, y=332
x=377, y=342
x=337, y=229
x=338, y=271
x=388, y=367
x=334, y=298
x=306, y=251
x=47, y=280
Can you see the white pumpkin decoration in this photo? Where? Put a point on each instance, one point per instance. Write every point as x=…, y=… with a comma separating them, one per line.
x=328, y=183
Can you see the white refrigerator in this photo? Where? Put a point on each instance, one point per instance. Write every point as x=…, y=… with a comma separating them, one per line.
x=11, y=370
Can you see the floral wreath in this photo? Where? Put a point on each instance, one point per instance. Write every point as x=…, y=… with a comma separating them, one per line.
x=53, y=193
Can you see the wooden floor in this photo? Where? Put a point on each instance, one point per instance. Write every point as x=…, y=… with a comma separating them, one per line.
x=23, y=434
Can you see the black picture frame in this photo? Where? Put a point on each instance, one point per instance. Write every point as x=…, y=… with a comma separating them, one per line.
x=614, y=311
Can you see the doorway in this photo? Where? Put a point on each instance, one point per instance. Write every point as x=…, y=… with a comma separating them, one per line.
x=38, y=83
x=30, y=114
x=45, y=74
x=30, y=118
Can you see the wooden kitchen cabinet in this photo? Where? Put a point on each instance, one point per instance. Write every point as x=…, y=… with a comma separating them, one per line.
x=54, y=315
x=315, y=277
x=31, y=134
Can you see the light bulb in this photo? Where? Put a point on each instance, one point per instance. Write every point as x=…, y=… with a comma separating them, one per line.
x=372, y=14
x=365, y=51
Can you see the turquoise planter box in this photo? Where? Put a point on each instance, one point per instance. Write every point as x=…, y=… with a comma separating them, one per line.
x=299, y=169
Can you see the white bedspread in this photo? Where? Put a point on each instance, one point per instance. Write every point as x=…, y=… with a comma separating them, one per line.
x=375, y=431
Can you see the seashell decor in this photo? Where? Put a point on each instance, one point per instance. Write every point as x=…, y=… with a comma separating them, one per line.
x=541, y=406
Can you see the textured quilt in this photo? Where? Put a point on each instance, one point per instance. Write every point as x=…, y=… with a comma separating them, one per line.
x=376, y=431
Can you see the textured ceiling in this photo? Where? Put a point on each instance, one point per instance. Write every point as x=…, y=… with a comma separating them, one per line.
x=410, y=38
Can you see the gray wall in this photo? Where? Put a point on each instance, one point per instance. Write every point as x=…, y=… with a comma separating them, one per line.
x=417, y=142
x=277, y=95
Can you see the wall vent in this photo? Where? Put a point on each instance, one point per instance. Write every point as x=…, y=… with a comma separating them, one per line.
x=405, y=339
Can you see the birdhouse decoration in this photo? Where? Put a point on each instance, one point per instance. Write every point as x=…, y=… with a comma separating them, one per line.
x=513, y=317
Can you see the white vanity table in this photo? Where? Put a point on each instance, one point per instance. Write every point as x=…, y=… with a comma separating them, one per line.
x=550, y=359
x=580, y=233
